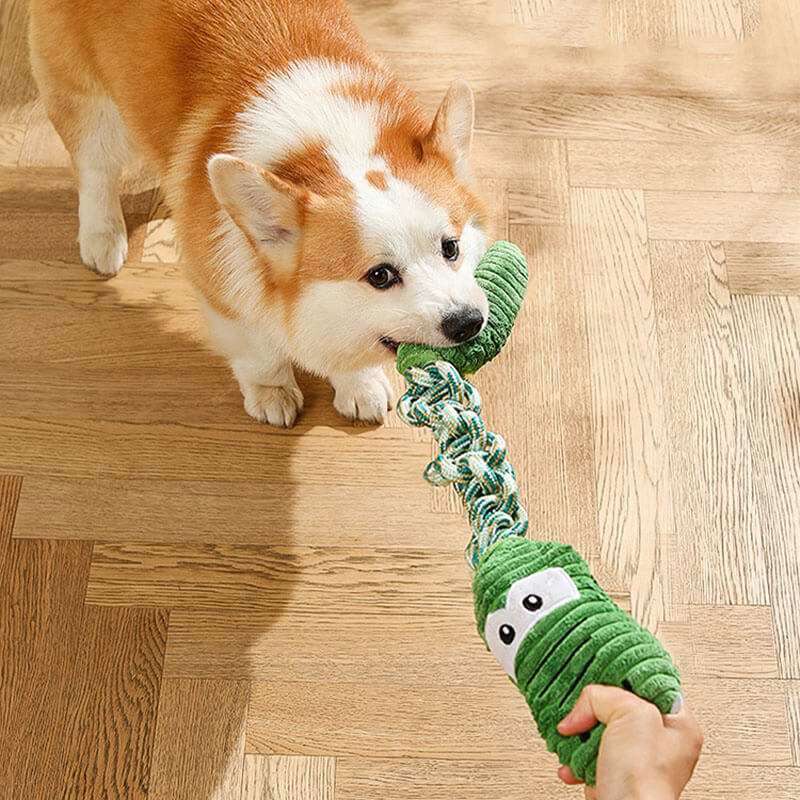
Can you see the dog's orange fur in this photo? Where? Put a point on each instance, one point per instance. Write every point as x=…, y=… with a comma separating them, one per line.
x=179, y=71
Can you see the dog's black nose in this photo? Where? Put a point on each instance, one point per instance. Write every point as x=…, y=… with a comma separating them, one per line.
x=462, y=323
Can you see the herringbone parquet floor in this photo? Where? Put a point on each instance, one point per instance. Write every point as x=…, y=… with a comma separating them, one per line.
x=193, y=606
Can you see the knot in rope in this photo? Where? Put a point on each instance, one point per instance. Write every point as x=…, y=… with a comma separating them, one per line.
x=471, y=458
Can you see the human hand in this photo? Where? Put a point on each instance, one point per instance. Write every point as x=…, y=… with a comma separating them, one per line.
x=644, y=754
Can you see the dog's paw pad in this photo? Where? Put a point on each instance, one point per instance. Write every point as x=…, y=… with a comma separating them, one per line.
x=104, y=252
x=274, y=405
x=366, y=397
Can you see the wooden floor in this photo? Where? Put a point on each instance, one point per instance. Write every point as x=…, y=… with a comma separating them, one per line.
x=193, y=606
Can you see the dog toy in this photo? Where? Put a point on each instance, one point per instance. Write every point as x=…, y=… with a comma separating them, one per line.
x=538, y=608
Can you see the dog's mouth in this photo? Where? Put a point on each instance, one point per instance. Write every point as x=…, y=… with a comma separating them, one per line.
x=390, y=344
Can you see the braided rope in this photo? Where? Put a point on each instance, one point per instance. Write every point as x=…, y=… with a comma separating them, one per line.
x=472, y=458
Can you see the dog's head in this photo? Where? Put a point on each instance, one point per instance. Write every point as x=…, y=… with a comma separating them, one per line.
x=365, y=223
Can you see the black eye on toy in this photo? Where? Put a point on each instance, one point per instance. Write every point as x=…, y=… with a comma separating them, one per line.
x=507, y=634
x=532, y=602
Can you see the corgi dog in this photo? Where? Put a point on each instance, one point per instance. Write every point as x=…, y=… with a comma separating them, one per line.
x=321, y=217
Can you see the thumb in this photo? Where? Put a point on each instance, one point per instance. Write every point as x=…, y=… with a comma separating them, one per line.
x=597, y=703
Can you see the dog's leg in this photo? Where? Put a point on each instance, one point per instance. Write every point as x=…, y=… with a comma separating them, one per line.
x=365, y=394
x=89, y=124
x=99, y=159
x=261, y=366
x=94, y=135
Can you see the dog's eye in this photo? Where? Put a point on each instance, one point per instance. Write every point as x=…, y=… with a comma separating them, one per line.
x=383, y=276
x=450, y=249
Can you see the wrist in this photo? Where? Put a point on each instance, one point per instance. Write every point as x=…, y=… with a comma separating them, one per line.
x=653, y=792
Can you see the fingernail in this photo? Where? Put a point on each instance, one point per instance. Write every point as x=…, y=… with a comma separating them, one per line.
x=677, y=704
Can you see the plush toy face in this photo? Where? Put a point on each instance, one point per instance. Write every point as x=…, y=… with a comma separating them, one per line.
x=528, y=600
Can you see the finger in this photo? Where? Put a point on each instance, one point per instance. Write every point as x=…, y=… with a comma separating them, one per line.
x=597, y=703
x=683, y=718
x=565, y=773
x=688, y=728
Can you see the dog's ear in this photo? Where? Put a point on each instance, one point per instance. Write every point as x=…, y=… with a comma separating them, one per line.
x=451, y=132
x=267, y=209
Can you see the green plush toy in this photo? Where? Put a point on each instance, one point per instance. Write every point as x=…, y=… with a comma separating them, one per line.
x=538, y=608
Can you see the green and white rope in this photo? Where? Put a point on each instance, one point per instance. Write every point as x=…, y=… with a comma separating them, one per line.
x=471, y=458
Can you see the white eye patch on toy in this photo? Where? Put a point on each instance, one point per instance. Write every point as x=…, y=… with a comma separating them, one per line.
x=528, y=600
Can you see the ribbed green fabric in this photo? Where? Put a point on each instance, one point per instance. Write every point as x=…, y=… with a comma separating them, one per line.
x=503, y=275
x=586, y=640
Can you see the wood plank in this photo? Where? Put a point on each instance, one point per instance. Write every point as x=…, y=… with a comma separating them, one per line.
x=720, y=550
x=793, y=713
x=83, y=338
x=176, y=450
x=709, y=19
x=716, y=636
x=721, y=166
x=743, y=720
x=372, y=646
x=268, y=578
x=767, y=335
x=199, y=740
x=570, y=23
x=500, y=155
x=288, y=778
x=519, y=61
x=42, y=585
x=406, y=778
x=526, y=777
x=763, y=268
x=391, y=721
x=728, y=216
x=612, y=115
x=631, y=455
x=10, y=487
x=469, y=723
x=89, y=677
x=382, y=26
x=630, y=20
x=742, y=782
x=494, y=192
x=751, y=17
x=112, y=702
x=238, y=512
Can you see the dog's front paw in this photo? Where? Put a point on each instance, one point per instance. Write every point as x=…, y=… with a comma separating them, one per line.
x=366, y=395
x=275, y=405
x=104, y=252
